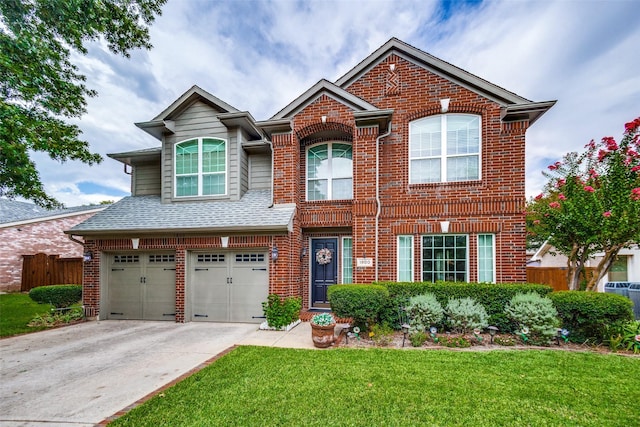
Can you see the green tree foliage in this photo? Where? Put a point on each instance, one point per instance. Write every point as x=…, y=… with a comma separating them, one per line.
x=40, y=87
x=591, y=204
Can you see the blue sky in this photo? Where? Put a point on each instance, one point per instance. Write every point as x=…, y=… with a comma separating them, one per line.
x=260, y=55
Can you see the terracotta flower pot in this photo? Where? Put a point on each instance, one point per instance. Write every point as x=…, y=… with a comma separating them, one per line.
x=322, y=336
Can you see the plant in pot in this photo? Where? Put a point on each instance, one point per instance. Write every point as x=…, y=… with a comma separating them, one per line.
x=322, y=330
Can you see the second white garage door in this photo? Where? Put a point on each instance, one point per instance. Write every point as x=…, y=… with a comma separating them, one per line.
x=228, y=286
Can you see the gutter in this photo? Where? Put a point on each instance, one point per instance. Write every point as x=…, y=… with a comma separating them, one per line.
x=378, y=204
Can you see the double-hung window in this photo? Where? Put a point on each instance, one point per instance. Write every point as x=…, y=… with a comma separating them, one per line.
x=444, y=148
x=201, y=167
x=330, y=172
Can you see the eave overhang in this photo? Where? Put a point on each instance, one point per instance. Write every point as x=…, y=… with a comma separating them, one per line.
x=530, y=111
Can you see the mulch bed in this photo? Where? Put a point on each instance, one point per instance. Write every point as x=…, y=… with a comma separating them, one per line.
x=482, y=344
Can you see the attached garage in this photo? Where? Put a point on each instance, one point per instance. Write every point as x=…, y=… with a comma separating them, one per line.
x=141, y=286
x=227, y=286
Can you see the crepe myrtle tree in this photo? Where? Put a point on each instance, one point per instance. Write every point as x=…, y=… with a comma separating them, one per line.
x=40, y=88
x=591, y=204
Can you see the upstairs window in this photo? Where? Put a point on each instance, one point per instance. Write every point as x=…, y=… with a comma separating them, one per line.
x=444, y=148
x=201, y=167
x=330, y=172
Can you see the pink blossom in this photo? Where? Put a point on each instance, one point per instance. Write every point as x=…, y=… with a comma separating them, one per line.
x=593, y=173
x=554, y=166
x=562, y=197
x=632, y=153
x=539, y=196
x=589, y=189
x=610, y=143
x=635, y=193
x=554, y=205
x=536, y=221
x=601, y=155
x=561, y=182
x=606, y=214
x=633, y=125
x=635, y=169
x=591, y=145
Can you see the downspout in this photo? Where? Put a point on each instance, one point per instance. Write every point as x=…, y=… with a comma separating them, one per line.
x=272, y=171
x=378, y=204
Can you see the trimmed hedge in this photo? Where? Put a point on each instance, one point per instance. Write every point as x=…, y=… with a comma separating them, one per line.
x=363, y=303
x=587, y=315
x=494, y=297
x=60, y=296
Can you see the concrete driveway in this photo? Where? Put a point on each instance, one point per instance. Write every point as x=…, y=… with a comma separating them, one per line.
x=79, y=375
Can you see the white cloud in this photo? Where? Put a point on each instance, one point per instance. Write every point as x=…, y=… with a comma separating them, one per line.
x=259, y=56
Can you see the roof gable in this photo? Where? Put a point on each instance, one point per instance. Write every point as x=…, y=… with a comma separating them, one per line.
x=324, y=87
x=514, y=106
x=188, y=97
x=229, y=115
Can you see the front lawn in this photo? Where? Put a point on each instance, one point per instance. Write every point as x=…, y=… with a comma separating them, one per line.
x=262, y=386
x=16, y=311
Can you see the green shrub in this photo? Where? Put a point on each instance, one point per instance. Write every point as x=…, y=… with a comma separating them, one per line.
x=424, y=311
x=631, y=336
x=360, y=302
x=465, y=314
x=418, y=338
x=493, y=297
x=535, y=313
x=587, y=315
x=57, y=318
x=60, y=296
x=281, y=312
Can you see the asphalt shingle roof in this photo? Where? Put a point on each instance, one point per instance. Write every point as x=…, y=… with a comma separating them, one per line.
x=14, y=211
x=148, y=214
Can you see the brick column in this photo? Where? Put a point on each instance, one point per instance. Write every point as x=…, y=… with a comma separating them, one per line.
x=286, y=155
x=364, y=201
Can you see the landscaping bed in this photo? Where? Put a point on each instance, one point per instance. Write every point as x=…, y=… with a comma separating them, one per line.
x=462, y=342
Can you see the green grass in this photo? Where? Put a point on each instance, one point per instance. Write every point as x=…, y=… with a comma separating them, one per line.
x=261, y=386
x=16, y=310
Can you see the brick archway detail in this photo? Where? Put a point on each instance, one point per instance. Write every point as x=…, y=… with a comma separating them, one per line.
x=325, y=131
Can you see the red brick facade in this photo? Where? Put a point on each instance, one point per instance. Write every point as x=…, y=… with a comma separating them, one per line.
x=371, y=108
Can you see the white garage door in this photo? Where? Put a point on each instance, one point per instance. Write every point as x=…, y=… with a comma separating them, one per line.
x=228, y=286
x=142, y=286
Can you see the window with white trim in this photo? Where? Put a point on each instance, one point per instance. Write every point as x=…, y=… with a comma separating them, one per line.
x=405, y=258
x=347, y=260
x=486, y=258
x=201, y=167
x=330, y=171
x=445, y=257
x=444, y=148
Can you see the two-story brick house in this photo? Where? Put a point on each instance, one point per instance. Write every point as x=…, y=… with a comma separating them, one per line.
x=406, y=168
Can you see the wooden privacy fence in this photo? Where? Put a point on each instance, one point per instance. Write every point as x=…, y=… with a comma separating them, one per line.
x=556, y=277
x=44, y=270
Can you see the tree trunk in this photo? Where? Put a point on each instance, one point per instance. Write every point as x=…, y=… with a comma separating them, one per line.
x=603, y=267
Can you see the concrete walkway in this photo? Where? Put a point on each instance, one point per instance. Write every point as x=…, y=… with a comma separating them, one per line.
x=83, y=374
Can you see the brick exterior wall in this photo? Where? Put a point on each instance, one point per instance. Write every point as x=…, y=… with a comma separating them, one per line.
x=494, y=204
x=45, y=236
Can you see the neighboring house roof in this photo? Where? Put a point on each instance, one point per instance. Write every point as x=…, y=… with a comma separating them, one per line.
x=13, y=212
x=514, y=106
x=146, y=214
